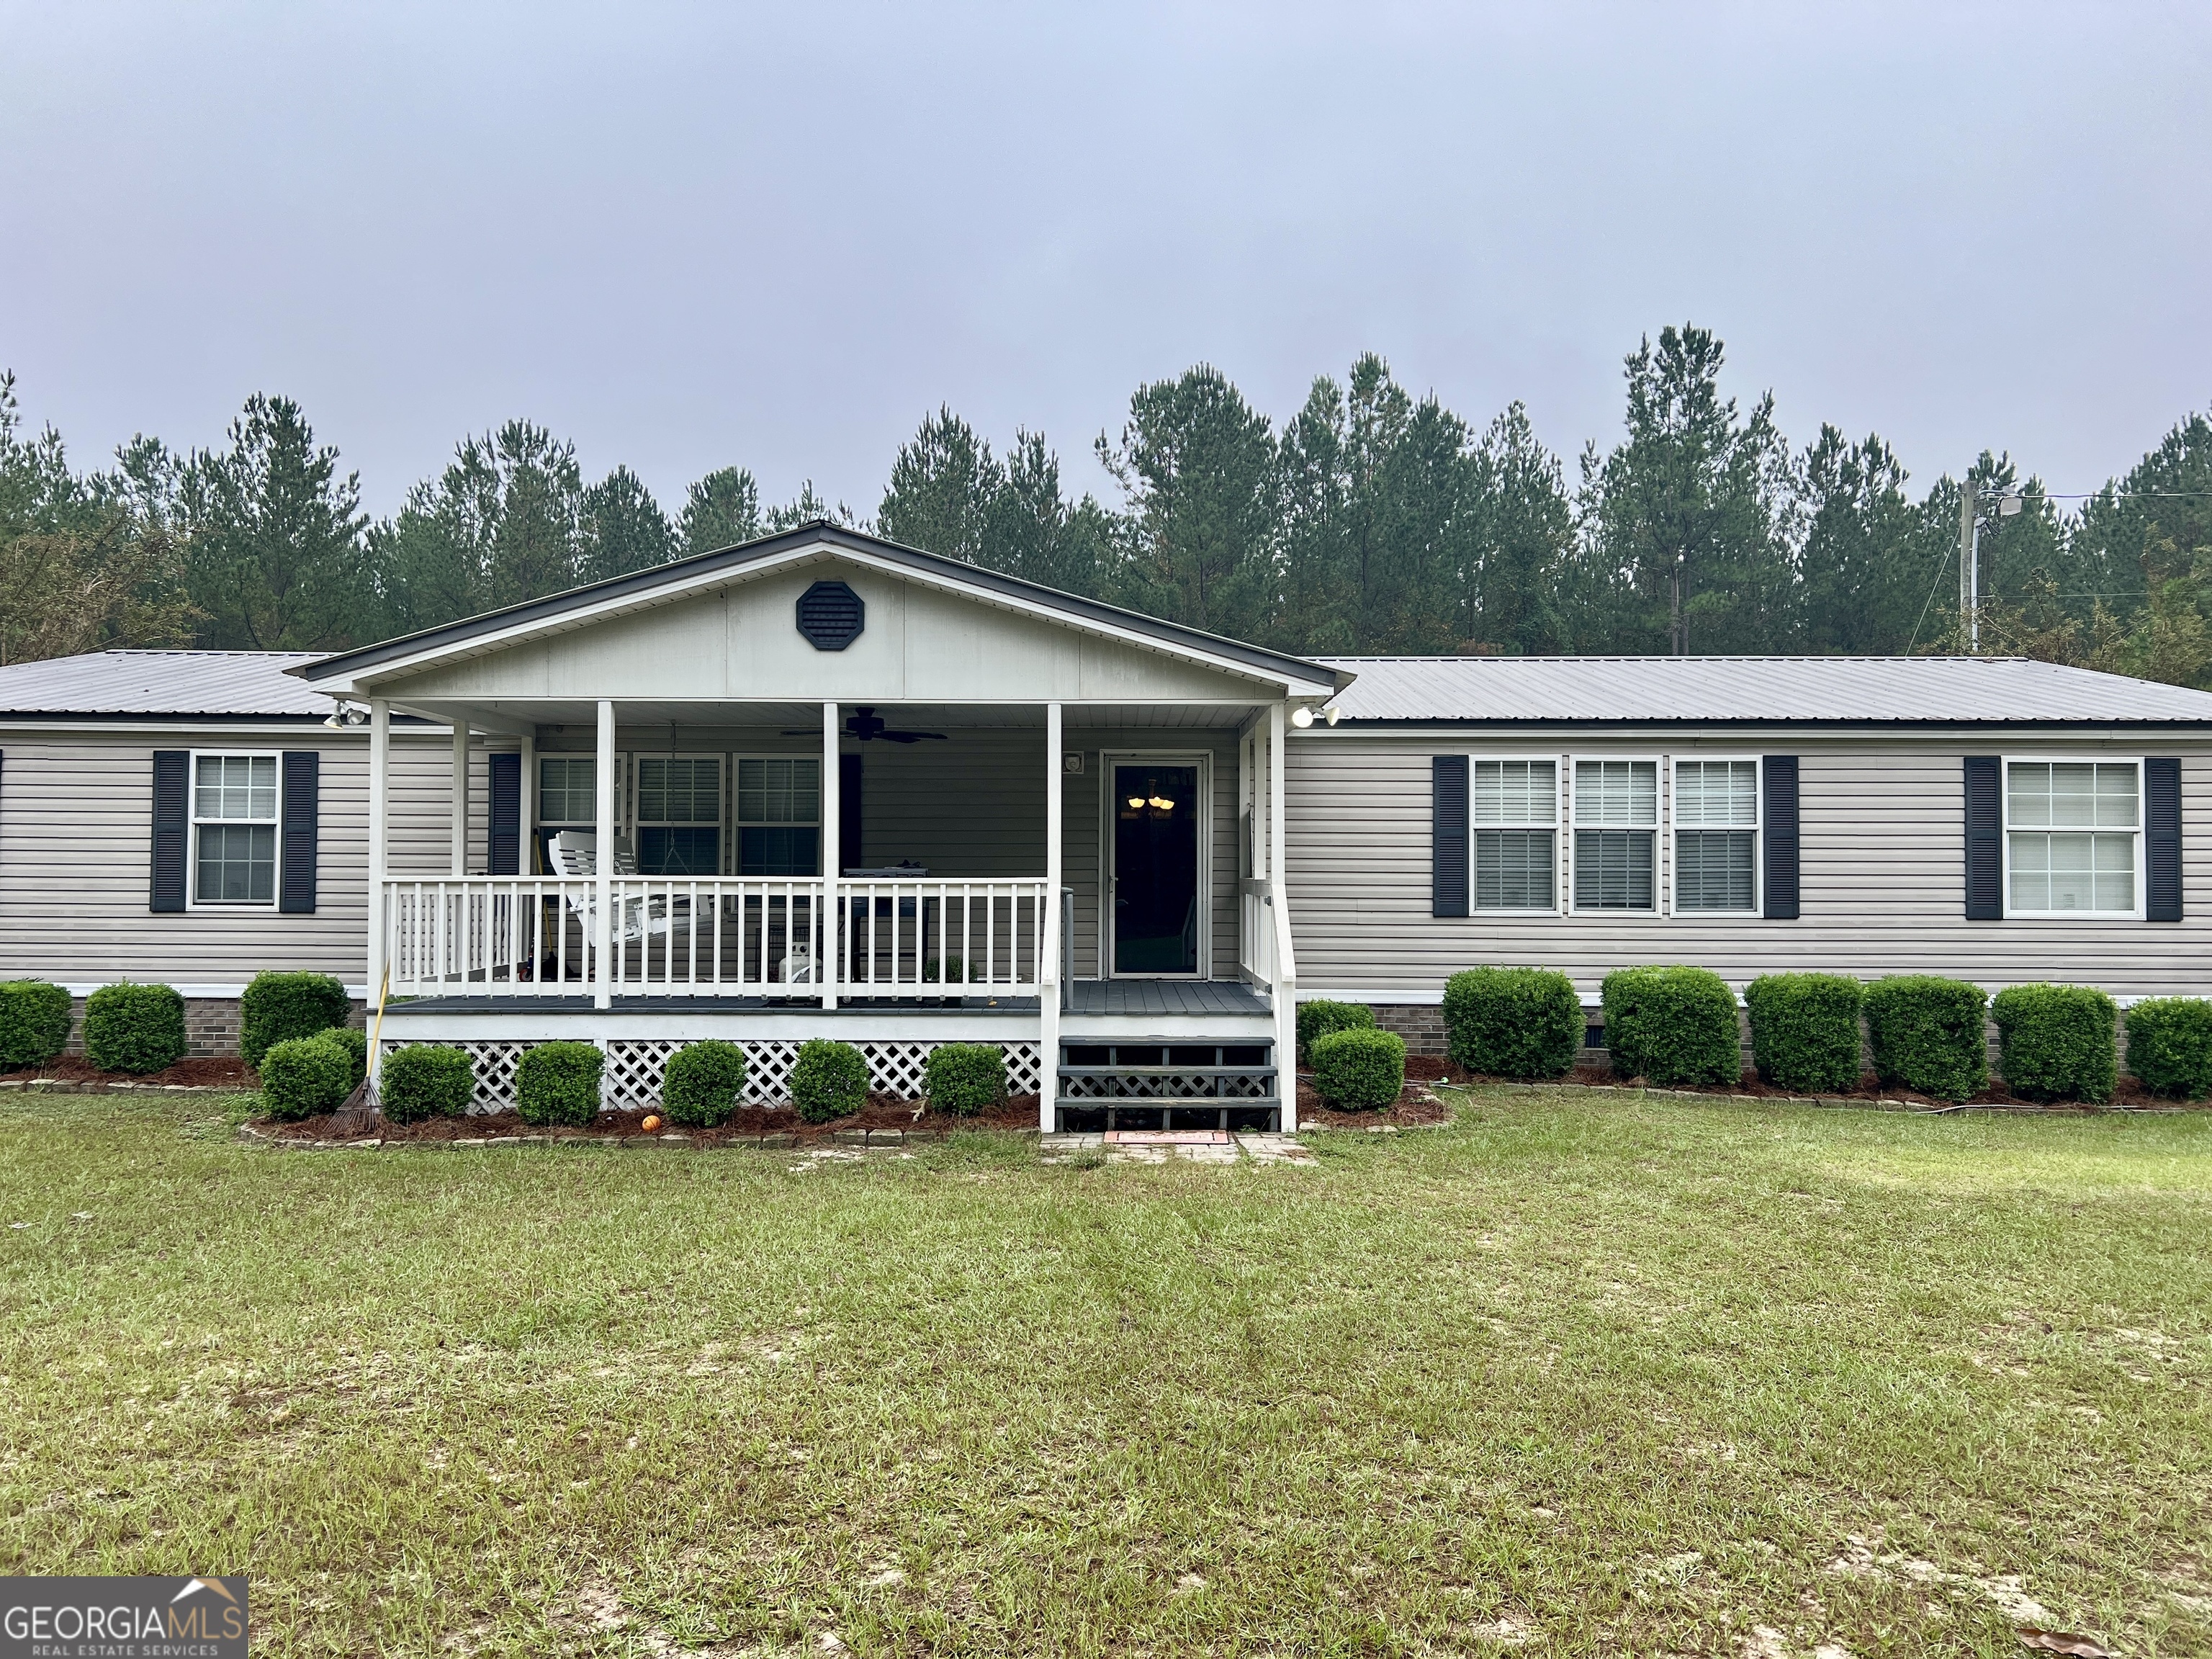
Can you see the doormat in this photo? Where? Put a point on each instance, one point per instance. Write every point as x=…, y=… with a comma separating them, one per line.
x=1169, y=1137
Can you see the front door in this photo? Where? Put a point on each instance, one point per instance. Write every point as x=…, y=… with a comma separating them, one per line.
x=1157, y=914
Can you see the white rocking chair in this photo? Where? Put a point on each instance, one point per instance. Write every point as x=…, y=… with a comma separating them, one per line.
x=575, y=852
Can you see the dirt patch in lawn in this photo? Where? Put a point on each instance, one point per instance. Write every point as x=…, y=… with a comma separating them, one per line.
x=1016, y=1113
x=203, y=1073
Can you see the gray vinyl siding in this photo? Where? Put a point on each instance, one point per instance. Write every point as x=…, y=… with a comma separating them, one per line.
x=76, y=836
x=1882, y=888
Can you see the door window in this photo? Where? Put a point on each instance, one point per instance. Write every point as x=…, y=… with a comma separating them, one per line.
x=1157, y=914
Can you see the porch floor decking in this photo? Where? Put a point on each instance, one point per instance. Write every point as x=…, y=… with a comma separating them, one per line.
x=1164, y=996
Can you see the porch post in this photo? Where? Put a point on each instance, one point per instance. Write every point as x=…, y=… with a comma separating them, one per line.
x=526, y=862
x=1050, y=969
x=1279, y=896
x=828, y=844
x=380, y=765
x=460, y=798
x=603, y=863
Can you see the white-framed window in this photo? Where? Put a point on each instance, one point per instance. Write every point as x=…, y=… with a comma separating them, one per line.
x=2073, y=837
x=1716, y=825
x=1616, y=830
x=779, y=815
x=567, y=792
x=236, y=809
x=1514, y=809
x=679, y=815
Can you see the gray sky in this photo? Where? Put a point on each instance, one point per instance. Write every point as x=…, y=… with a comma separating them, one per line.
x=688, y=236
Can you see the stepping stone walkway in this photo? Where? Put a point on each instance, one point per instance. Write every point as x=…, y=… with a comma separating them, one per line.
x=1176, y=1145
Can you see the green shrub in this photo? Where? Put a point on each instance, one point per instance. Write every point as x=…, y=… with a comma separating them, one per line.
x=1359, y=1067
x=424, y=1080
x=134, y=1028
x=1805, y=1030
x=558, y=1085
x=1319, y=1018
x=1927, y=1034
x=952, y=969
x=305, y=1077
x=964, y=1078
x=277, y=1008
x=829, y=1081
x=356, y=1043
x=34, y=1023
x=1523, y=1022
x=2170, y=1046
x=2055, y=1042
x=1670, y=1026
x=701, y=1087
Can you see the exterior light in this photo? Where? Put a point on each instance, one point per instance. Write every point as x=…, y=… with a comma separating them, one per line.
x=345, y=716
x=1164, y=804
x=2010, y=504
x=1135, y=801
x=1301, y=717
x=1333, y=715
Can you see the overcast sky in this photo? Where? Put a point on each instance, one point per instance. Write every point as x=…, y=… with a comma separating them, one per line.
x=691, y=236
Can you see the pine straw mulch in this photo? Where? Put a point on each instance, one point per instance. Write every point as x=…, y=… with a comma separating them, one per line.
x=1869, y=1090
x=213, y=1072
x=1016, y=1113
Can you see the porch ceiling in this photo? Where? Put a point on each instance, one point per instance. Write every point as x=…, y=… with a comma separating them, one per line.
x=518, y=715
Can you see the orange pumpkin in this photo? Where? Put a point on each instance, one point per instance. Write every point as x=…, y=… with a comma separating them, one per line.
x=651, y=1124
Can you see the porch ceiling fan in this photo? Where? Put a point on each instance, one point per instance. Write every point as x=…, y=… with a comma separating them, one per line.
x=866, y=726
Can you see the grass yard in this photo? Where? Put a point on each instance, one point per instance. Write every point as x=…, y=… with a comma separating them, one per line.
x=1570, y=1376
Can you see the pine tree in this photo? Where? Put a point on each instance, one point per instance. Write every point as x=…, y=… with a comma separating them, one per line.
x=624, y=528
x=1523, y=541
x=720, y=510
x=944, y=485
x=1032, y=531
x=1872, y=557
x=275, y=535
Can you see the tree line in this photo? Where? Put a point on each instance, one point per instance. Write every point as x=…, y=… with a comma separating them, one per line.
x=1371, y=521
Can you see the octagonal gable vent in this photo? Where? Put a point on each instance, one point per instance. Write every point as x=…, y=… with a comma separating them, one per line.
x=831, y=616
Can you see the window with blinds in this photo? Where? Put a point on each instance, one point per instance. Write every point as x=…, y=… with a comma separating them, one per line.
x=1716, y=835
x=779, y=817
x=1515, y=812
x=235, y=819
x=1616, y=829
x=679, y=815
x=2073, y=837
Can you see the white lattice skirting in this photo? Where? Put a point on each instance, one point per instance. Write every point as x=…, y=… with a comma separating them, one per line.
x=635, y=1067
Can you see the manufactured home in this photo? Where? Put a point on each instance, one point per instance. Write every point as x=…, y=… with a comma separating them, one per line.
x=824, y=784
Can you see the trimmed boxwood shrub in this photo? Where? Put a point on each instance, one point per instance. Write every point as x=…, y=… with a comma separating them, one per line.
x=1669, y=1025
x=1521, y=1022
x=305, y=1077
x=558, y=1085
x=1927, y=1034
x=2170, y=1046
x=1805, y=1030
x=277, y=1008
x=356, y=1043
x=2055, y=1042
x=134, y=1028
x=34, y=1023
x=424, y=1080
x=829, y=1081
x=699, y=1088
x=964, y=1078
x=1318, y=1019
x=1359, y=1067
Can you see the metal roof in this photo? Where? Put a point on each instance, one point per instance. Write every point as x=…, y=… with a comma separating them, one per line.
x=639, y=586
x=163, y=683
x=1765, y=690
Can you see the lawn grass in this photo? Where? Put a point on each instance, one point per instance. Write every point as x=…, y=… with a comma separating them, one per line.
x=1597, y=1377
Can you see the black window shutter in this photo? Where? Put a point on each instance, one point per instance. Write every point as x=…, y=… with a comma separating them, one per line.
x=295, y=884
x=849, y=856
x=1778, y=775
x=170, y=829
x=2163, y=840
x=1447, y=873
x=1984, y=856
x=504, y=849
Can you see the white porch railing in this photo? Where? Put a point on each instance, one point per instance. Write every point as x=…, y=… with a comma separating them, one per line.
x=1255, y=933
x=493, y=936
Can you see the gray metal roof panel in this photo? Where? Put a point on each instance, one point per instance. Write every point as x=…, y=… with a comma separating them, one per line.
x=226, y=682
x=1914, y=690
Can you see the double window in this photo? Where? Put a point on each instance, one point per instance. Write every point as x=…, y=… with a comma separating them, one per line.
x=679, y=816
x=234, y=819
x=2073, y=835
x=1620, y=810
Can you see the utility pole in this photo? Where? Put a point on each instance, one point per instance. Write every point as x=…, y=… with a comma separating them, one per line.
x=1678, y=627
x=1969, y=575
